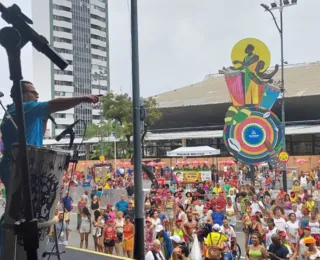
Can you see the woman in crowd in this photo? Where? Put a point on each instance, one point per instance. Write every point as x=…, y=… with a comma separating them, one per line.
x=256, y=251
x=119, y=223
x=82, y=203
x=94, y=203
x=109, y=237
x=314, y=224
x=85, y=227
x=301, y=246
x=128, y=238
x=98, y=225
x=292, y=228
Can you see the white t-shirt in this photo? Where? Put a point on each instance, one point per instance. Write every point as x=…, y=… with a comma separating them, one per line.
x=293, y=229
x=149, y=256
x=280, y=224
x=225, y=168
x=255, y=207
x=199, y=209
x=269, y=234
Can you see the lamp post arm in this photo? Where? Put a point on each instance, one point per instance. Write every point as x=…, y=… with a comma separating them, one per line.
x=275, y=21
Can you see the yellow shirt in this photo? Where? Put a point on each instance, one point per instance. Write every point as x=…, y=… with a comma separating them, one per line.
x=215, y=238
x=293, y=200
x=217, y=190
x=107, y=186
x=51, y=228
x=309, y=205
x=296, y=188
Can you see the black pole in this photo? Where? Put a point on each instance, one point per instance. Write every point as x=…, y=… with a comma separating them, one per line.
x=139, y=223
x=252, y=175
x=283, y=114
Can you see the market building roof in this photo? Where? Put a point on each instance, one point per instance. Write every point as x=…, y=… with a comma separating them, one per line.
x=300, y=80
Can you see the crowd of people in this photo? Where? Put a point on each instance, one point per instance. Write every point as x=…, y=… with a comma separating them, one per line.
x=198, y=221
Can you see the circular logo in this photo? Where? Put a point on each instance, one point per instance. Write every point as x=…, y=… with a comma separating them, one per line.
x=254, y=135
x=101, y=158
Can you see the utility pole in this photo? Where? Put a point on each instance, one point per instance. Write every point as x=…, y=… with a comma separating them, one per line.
x=137, y=156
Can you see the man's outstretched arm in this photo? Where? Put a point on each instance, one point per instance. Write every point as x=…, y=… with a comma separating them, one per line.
x=61, y=104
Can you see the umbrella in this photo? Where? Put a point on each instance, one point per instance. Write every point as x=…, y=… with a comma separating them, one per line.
x=160, y=163
x=230, y=162
x=124, y=164
x=195, y=162
x=222, y=162
x=151, y=164
x=184, y=162
x=205, y=162
x=300, y=161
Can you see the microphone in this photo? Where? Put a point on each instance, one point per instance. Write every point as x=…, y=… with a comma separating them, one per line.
x=49, y=117
x=67, y=130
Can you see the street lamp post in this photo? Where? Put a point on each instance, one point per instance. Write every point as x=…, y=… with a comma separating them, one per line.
x=274, y=6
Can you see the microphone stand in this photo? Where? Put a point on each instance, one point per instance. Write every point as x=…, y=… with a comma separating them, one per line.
x=13, y=39
x=7, y=115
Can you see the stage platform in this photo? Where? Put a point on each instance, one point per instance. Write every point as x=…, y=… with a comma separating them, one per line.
x=73, y=253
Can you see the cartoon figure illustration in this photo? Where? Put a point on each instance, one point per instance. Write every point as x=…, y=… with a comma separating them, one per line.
x=252, y=132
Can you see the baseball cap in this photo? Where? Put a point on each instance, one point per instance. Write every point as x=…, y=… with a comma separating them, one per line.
x=216, y=227
x=158, y=228
x=282, y=234
x=176, y=239
x=307, y=228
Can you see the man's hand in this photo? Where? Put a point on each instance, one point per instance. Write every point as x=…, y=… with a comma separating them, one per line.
x=91, y=99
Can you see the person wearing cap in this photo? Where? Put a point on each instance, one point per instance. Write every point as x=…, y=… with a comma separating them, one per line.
x=277, y=250
x=215, y=242
x=109, y=234
x=166, y=243
x=178, y=230
x=176, y=241
x=301, y=246
x=155, y=252
x=291, y=247
x=110, y=212
x=312, y=251
x=218, y=215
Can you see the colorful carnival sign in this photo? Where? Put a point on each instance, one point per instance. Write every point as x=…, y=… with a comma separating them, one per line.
x=252, y=132
x=191, y=176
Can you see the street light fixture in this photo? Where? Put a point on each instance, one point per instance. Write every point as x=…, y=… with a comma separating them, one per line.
x=274, y=6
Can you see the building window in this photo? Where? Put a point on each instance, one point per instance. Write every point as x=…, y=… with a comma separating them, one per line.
x=98, y=8
x=60, y=93
x=63, y=72
x=61, y=29
x=97, y=47
x=61, y=50
x=99, y=18
x=99, y=67
x=97, y=37
x=63, y=83
x=97, y=27
x=61, y=18
x=95, y=117
x=98, y=57
x=60, y=39
x=62, y=8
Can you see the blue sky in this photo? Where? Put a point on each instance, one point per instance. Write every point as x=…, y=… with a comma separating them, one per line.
x=182, y=41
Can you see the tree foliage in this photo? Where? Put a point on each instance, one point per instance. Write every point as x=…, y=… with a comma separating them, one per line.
x=118, y=107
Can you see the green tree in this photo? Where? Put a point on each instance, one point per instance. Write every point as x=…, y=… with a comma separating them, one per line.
x=118, y=107
x=103, y=131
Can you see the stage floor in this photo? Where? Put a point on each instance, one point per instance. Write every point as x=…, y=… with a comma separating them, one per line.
x=73, y=253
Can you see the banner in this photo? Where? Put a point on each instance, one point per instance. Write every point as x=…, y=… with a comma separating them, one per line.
x=190, y=176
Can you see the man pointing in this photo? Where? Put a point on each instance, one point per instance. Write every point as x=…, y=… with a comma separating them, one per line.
x=36, y=116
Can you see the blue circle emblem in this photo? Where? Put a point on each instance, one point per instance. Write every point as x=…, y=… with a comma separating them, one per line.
x=254, y=135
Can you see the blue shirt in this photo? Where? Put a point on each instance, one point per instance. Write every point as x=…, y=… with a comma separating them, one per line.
x=33, y=113
x=217, y=218
x=122, y=205
x=67, y=203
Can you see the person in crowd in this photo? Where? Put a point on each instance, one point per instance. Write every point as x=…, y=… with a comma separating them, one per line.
x=97, y=233
x=292, y=229
x=130, y=211
x=82, y=203
x=128, y=238
x=277, y=250
x=166, y=241
x=155, y=252
x=256, y=251
x=85, y=227
x=314, y=224
x=290, y=246
x=301, y=246
x=312, y=251
x=109, y=234
x=94, y=204
x=122, y=204
x=148, y=235
x=190, y=228
x=110, y=212
x=67, y=206
x=119, y=224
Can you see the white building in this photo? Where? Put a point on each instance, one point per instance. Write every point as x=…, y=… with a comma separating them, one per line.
x=78, y=30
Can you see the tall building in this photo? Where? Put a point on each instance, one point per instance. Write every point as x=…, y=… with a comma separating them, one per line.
x=78, y=30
